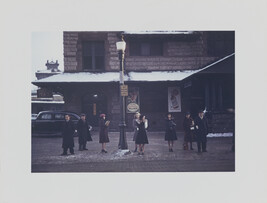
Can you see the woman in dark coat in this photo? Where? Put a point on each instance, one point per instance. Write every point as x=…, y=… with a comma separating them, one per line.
x=170, y=133
x=103, y=133
x=83, y=132
x=135, y=127
x=141, y=137
x=188, y=126
x=67, y=134
x=201, y=125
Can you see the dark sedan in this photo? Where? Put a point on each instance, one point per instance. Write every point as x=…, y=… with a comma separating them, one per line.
x=50, y=122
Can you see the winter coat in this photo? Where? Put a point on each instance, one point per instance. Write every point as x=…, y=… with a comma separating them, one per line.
x=103, y=132
x=135, y=127
x=83, y=131
x=201, y=126
x=170, y=132
x=141, y=137
x=187, y=124
x=67, y=134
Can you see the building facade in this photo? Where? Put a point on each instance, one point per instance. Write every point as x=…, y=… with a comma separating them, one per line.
x=166, y=71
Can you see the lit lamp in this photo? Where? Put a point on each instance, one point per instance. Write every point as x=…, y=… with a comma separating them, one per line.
x=121, y=46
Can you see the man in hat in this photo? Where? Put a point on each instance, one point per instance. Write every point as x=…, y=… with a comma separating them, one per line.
x=83, y=132
x=201, y=126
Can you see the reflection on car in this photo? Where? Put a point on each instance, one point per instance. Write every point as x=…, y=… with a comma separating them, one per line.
x=34, y=116
x=51, y=122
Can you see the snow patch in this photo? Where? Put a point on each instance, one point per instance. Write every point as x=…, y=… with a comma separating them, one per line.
x=220, y=135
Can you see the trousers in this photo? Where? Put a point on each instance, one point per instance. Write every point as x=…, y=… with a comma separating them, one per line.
x=201, y=145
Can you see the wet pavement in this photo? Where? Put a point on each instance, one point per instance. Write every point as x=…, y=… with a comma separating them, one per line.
x=157, y=158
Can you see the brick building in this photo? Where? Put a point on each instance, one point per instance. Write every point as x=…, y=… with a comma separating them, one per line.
x=166, y=71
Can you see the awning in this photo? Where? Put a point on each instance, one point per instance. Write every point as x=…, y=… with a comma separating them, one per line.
x=107, y=77
x=84, y=77
x=173, y=32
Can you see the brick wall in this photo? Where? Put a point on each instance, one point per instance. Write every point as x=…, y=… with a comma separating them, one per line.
x=166, y=63
x=178, y=55
x=70, y=50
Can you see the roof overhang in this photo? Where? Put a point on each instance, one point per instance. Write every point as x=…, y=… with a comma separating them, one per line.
x=157, y=32
x=113, y=77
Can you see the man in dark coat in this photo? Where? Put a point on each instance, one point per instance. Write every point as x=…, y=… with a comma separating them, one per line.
x=83, y=132
x=67, y=134
x=201, y=126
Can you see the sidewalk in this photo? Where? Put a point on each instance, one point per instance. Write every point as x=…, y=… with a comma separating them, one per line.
x=46, y=156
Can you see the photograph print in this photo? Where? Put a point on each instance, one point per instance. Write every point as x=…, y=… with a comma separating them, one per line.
x=133, y=101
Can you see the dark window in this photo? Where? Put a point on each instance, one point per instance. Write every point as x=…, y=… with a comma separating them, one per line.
x=73, y=117
x=46, y=116
x=146, y=48
x=221, y=43
x=59, y=116
x=93, y=55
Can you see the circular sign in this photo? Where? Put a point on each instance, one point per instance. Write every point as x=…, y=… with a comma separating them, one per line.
x=133, y=107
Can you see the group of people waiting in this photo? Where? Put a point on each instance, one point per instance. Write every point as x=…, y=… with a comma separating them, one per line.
x=194, y=131
x=83, y=130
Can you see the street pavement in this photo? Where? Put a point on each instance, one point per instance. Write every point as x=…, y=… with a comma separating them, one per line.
x=157, y=158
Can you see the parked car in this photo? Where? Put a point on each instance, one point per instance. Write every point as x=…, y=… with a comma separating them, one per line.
x=50, y=122
x=34, y=116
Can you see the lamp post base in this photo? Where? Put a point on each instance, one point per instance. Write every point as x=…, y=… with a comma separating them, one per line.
x=122, y=143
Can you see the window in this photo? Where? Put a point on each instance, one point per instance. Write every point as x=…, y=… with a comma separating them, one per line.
x=221, y=43
x=146, y=48
x=93, y=55
x=59, y=116
x=46, y=116
x=73, y=117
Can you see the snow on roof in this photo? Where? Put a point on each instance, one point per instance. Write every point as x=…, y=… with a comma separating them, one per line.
x=49, y=102
x=218, y=61
x=82, y=77
x=114, y=76
x=157, y=32
x=160, y=75
x=152, y=76
x=48, y=71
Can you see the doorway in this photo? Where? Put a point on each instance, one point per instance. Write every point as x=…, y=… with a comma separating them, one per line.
x=94, y=104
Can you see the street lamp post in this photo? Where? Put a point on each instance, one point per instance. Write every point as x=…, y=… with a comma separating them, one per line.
x=121, y=45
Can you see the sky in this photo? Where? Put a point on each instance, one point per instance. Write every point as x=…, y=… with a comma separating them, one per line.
x=46, y=46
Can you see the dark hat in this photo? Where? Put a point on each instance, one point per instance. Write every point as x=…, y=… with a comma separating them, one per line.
x=187, y=113
x=200, y=111
x=82, y=114
x=102, y=115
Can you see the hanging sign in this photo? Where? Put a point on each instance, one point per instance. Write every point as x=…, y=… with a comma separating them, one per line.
x=124, y=90
x=132, y=101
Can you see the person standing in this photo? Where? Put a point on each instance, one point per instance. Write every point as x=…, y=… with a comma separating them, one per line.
x=188, y=126
x=83, y=132
x=103, y=133
x=170, y=133
x=67, y=134
x=141, y=137
x=201, y=126
x=135, y=127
